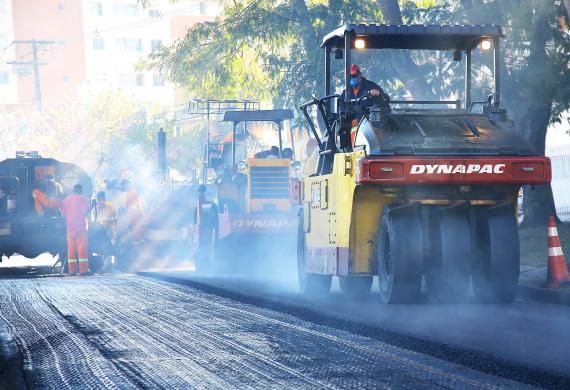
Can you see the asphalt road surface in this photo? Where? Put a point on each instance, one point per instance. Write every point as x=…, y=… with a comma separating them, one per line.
x=135, y=332
x=493, y=338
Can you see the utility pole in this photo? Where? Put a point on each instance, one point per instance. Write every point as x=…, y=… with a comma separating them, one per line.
x=35, y=64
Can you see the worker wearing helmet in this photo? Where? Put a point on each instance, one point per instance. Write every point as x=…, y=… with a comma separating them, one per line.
x=106, y=214
x=75, y=209
x=359, y=87
x=134, y=211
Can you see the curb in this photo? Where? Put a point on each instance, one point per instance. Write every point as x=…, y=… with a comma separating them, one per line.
x=11, y=374
x=543, y=295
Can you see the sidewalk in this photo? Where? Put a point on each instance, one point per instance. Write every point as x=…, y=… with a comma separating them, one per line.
x=534, y=271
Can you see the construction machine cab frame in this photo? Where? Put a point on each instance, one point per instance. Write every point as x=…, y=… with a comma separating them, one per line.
x=341, y=43
x=275, y=116
x=253, y=199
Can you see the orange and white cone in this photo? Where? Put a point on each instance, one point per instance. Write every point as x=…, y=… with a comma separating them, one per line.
x=557, y=269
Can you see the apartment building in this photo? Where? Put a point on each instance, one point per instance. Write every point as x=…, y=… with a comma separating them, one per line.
x=86, y=46
x=8, y=81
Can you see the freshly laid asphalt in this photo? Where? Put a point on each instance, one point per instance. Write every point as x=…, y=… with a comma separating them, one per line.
x=138, y=332
x=525, y=341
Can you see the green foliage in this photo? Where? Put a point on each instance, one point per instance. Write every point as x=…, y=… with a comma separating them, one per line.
x=259, y=49
x=103, y=134
x=537, y=54
x=270, y=49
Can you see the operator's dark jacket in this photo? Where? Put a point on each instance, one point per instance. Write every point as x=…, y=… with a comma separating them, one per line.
x=365, y=87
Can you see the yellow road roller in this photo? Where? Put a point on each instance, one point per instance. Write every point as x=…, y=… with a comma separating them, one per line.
x=413, y=191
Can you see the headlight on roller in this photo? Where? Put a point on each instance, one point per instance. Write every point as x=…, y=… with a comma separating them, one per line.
x=296, y=165
x=241, y=166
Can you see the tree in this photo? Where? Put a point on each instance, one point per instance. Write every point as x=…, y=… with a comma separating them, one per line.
x=537, y=54
x=98, y=133
x=259, y=49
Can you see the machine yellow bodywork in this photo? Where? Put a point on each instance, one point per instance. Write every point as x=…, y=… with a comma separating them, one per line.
x=274, y=179
x=331, y=205
x=340, y=215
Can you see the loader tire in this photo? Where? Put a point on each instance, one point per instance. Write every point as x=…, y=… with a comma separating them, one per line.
x=448, y=266
x=309, y=283
x=497, y=265
x=399, y=252
x=208, y=241
x=355, y=286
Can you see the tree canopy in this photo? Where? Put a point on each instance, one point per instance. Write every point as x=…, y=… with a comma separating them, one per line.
x=104, y=133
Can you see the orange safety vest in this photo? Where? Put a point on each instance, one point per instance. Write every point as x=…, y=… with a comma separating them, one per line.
x=107, y=216
x=227, y=138
x=353, y=131
x=40, y=201
x=43, y=202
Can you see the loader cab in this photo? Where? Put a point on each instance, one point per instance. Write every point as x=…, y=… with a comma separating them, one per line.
x=392, y=126
x=258, y=163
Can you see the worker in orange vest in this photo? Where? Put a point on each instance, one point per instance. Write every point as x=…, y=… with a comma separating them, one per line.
x=134, y=210
x=75, y=209
x=106, y=214
x=41, y=201
x=47, y=196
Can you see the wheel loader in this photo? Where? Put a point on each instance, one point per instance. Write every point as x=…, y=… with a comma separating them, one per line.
x=413, y=192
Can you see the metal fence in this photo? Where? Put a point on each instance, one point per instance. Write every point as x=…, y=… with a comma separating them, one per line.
x=561, y=181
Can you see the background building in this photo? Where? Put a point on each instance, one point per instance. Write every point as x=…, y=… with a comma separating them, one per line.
x=8, y=81
x=82, y=46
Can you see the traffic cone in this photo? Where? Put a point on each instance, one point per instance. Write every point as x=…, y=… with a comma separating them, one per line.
x=557, y=269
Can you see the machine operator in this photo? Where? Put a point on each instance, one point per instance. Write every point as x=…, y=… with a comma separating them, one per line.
x=359, y=87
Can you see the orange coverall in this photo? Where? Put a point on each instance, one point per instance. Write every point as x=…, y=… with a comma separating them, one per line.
x=43, y=202
x=75, y=208
x=135, y=214
x=107, y=217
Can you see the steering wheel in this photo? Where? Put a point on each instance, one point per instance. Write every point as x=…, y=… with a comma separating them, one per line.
x=364, y=97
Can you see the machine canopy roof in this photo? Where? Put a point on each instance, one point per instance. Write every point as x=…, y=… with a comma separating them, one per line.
x=414, y=36
x=258, y=116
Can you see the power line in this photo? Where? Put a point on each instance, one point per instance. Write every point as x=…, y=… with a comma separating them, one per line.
x=37, y=44
x=35, y=64
x=137, y=24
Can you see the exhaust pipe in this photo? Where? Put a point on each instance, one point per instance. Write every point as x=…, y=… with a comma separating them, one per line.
x=161, y=154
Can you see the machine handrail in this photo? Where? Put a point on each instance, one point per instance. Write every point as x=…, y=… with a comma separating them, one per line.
x=304, y=109
x=456, y=103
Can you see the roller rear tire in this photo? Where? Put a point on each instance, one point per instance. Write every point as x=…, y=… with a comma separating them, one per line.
x=497, y=267
x=448, y=267
x=399, y=250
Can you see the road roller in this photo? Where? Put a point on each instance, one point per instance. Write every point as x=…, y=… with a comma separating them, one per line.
x=419, y=193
